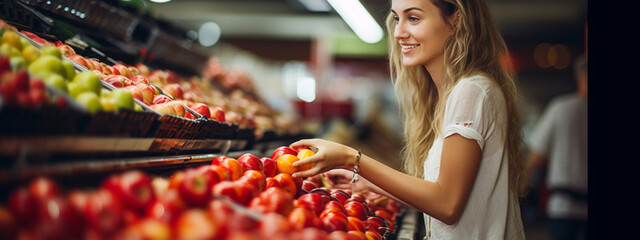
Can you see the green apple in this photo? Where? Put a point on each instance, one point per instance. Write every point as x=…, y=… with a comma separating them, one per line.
x=52, y=51
x=138, y=108
x=90, y=100
x=122, y=98
x=105, y=92
x=69, y=69
x=57, y=81
x=46, y=63
x=30, y=53
x=12, y=38
x=86, y=81
x=18, y=62
x=107, y=104
x=9, y=50
x=25, y=42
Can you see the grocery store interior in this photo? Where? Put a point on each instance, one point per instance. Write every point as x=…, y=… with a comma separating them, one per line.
x=266, y=72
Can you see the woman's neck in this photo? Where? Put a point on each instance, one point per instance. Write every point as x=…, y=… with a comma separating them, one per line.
x=437, y=73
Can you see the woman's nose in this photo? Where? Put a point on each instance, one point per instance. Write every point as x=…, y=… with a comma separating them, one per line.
x=400, y=32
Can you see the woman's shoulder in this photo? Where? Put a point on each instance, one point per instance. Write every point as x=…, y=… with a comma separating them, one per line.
x=481, y=80
x=478, y=83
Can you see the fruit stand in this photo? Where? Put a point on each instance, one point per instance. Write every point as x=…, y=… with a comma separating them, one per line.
x=123, y=138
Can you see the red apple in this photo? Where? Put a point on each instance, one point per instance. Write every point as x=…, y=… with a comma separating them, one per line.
x=147, y=92
x=356, y=224
x=254, y=178
x=103, y=212
x=137, y=79
x=94, y=65
x=175, y=90
x=333, y=206
x=334, y=221
x=339, y=195
x=272, y=182
x=311, y=201
x=178, y=107
x=196, y=185
x=137, y=94
x=311, y=234
x=160, y=99
x=373, y=223
x=115, y=80
x=123, y=70
x=218, y=114
x=234, y=167
x=163, y=108
x=43, y=188
x=23, y=206
x=227, y=189
x=301, y=217
x=134, y=188
x=148, y=228
x=357, y=235
x=383, y=213
x=80, y=60
x=250, y=162
x=58, y=219
x=269, y=166
x=283, y=150
x=66, y=50
x=272, y=200
x=201, y=109
x=287, y=182
x=308, y=185
x=106, y=69
x=167, y=206
x=356, y=209
x=223, y=173
x=342, y=235
x=240, y=223
x=143, y=69
x=195, y=223
x=273, y=224
x=134, y=70
x=220, y=211
x=373, y=235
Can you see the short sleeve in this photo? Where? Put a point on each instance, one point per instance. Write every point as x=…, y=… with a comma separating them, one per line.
x=470, y=110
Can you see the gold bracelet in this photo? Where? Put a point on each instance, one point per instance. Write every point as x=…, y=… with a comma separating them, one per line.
x=356, y=168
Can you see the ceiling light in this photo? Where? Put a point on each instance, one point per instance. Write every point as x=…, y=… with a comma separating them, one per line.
x=160, y=1
x=316, y=5
x=358, y=19
x=209, y=34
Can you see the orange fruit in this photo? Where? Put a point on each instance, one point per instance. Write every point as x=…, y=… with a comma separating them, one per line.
x=285, y=163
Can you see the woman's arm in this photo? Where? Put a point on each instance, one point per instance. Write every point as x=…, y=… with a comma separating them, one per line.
x=444, y=199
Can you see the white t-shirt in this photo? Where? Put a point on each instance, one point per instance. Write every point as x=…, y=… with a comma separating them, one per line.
x=561, y=135
x=476, y=109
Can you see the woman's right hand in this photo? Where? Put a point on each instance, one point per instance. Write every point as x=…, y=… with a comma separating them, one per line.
x=330, y=155
x=341, y=179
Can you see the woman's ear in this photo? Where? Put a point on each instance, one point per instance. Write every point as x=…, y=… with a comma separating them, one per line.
x=455, y=20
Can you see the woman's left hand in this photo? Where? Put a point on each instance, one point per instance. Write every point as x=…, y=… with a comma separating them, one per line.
x=330, y=155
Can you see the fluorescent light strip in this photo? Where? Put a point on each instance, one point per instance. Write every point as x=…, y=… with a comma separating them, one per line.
x=316, y=5
x=358, y=19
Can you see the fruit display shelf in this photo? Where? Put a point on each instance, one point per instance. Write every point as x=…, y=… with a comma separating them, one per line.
x=210, y=197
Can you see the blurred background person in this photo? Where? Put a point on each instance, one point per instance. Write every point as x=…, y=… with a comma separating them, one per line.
x=559, y=143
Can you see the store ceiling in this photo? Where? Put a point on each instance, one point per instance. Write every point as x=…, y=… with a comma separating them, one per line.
x=521, y=21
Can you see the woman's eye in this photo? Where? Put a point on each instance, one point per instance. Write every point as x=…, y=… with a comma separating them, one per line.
x=413, y=19
x=396, y=18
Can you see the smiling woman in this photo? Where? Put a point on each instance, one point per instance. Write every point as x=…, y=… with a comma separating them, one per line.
x=463, y=163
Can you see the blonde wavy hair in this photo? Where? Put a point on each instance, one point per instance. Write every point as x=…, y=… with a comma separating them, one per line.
x=475, y=47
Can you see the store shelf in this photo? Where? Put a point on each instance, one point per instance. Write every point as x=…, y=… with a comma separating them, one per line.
x=15, y=145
